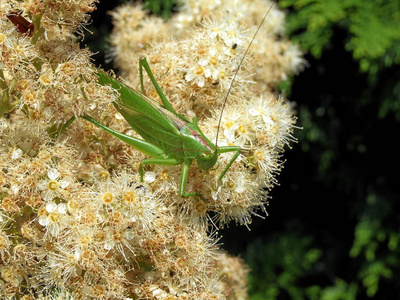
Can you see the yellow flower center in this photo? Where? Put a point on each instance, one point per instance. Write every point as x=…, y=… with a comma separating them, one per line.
x=107, y=198
x=242, y=129
x=228, y=124
x=103, y=175
x=85, y=240
x=130, y=197
x=116, y=217
x=88, y=255
x=118, y=236
x=22, y=85
x=259, y=155
x=45, y=79
x=73, y=205
x=55, y=217
x=231, y=184
x=199, y=70
x=165, y=175
x=89, y=218
x=53, y=185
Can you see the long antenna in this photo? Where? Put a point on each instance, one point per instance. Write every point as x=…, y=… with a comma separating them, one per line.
x=237, y=71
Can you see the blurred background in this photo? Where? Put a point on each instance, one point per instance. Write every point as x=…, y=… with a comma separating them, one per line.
x=333, y=225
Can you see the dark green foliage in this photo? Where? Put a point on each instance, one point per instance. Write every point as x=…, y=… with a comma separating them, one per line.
x=162, y=8
x=276, y=267
x=372, y=36
x=344, y=174
x=287, y=267
x=376, y=242
x=373, y=27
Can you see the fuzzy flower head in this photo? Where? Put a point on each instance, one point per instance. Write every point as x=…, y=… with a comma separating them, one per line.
x=118, y=239
x=64, y=264
x=77, y=220
x=143, y=210
x=273, y=118
x=217, y=54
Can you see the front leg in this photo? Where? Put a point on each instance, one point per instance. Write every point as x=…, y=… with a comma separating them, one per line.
x=225, y=149
x=171, y=162
x=184, y=180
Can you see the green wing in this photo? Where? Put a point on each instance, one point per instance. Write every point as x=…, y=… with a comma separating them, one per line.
x=146, y=116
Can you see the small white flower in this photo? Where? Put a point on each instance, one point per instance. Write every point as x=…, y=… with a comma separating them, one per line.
x=262, y=109
x=210, y=64
x=17, y=153
x=230, y=128
x=64, y=263
x=52, y=217
x=266, y=160
x=118, y=239
x=232, y=34
x=144, y=211
x=196, y=75
x=149, y=177
x=53, y=184
x=129, y=234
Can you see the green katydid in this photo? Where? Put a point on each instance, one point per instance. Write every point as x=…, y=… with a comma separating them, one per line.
x=168, y=137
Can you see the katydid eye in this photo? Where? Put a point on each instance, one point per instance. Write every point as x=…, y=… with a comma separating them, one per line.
x=205, y=155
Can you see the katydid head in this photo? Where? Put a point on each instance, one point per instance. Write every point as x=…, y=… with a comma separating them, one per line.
x=207, y=160
x=198, y=146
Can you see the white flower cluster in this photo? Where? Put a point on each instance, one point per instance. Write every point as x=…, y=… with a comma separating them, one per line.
x=76, y=218
x=216, y=47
